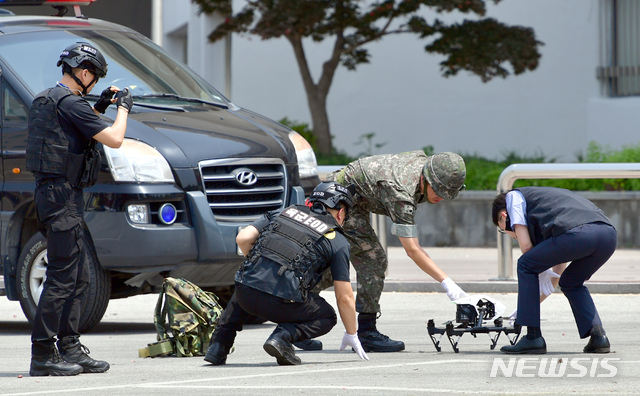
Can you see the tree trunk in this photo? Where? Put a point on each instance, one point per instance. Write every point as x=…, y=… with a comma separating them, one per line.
x=317, y=93
x=320, y=121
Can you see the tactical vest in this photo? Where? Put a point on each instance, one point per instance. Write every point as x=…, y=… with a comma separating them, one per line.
x=47, y=146
x=290, y=240
x=553, y=211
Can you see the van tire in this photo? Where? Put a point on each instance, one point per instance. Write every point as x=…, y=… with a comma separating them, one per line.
x=31, y=276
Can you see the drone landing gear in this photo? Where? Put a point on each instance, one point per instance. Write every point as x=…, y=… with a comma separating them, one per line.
x=455, y=333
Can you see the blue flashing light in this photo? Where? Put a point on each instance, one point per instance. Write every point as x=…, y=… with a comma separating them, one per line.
x=167, y=214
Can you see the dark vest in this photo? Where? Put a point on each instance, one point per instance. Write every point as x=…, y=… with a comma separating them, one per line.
x=553, y=211
x=290, y=242
x=47, y=146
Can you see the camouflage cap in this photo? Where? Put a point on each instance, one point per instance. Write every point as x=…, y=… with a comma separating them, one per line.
x=445, y=173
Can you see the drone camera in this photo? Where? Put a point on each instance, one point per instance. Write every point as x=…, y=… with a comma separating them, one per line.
x=466, y=314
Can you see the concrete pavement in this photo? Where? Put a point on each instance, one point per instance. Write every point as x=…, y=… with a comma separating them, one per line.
x=418, y=370
x=475, y=269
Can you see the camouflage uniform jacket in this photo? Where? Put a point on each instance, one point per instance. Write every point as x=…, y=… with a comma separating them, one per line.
x=388, y=184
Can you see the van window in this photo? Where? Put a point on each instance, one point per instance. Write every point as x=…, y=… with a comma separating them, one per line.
x=133, y=61
x=13, y=109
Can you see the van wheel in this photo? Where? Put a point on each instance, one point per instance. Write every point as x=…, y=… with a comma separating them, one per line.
x=31, y=270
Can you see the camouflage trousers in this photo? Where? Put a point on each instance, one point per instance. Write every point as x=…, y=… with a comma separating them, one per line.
x=368, y=257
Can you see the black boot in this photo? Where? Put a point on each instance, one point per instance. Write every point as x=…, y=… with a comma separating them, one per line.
x=45, y=360
x=598, y=343
x=217, y=354
x=74, y=352
x=371, y=339
x=279, y=346
x=309, y=345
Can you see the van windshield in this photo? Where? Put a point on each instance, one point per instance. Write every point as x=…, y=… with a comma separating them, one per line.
x=133, y=61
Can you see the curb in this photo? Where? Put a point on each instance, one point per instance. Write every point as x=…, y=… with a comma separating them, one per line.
x=502, y=287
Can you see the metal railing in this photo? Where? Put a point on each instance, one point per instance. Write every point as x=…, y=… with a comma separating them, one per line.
x=552, y=171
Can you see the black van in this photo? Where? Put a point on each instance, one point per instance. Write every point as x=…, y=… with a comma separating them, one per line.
x=194, y=168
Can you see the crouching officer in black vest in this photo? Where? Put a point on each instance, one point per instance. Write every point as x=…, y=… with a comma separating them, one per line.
x=286, y=253
x=554, y=226
x=62, y=154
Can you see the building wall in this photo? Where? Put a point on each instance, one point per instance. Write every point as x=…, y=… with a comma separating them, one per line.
x=400, y=96
x=185, y=36
x=556, y=109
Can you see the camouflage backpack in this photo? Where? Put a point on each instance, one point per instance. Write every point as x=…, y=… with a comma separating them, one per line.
x=193, y=315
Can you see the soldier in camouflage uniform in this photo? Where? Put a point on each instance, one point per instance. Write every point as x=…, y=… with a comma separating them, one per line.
x=393, y=185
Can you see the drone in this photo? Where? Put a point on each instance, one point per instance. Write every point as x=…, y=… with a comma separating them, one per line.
x=474, y=315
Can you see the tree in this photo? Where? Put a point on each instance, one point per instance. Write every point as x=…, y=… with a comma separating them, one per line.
x=480, y=46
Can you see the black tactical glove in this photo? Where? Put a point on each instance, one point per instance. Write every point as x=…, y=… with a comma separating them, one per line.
x=124, y=99
x=104, y=101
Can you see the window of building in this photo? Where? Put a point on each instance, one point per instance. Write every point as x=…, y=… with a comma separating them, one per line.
x=619, y=69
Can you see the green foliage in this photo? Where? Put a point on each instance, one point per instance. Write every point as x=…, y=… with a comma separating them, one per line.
x=483, y=46
x=302, y=128
x=366, y=140
x=428, y=150
x=479, y=46
x=337, y=157
x=483, y=173
x=629, y=153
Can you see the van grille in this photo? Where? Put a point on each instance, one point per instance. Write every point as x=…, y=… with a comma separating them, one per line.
x=264, y=187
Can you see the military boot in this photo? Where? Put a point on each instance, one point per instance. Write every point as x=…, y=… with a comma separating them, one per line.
x=371, y=339
x=74, y=352
x=217, y=354
x=46, y=360
x=280, y=347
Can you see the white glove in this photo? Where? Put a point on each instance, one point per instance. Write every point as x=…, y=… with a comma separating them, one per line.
x=544, y=279
x=353, y=341
x=454, y=291
x=513, y=317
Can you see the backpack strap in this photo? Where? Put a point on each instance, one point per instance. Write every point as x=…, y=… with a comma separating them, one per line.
x=160, y=316
x=164, y=346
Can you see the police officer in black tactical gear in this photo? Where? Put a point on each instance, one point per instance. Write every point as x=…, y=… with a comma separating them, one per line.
x=61, y=154
x=286, y=253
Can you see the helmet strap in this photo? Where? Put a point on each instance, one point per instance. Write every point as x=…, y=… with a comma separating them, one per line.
x=319, y=208
x=84, y=89
x=77, y=80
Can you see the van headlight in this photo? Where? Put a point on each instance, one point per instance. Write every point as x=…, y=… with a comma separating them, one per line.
x=136, y=161
x=307, y=164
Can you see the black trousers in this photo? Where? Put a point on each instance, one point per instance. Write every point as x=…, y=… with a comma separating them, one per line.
x=59, y=208
x=309, y=319
x=587, y=248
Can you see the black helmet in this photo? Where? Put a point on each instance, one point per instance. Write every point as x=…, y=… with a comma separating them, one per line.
x=331, y=194
x=75, y=54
